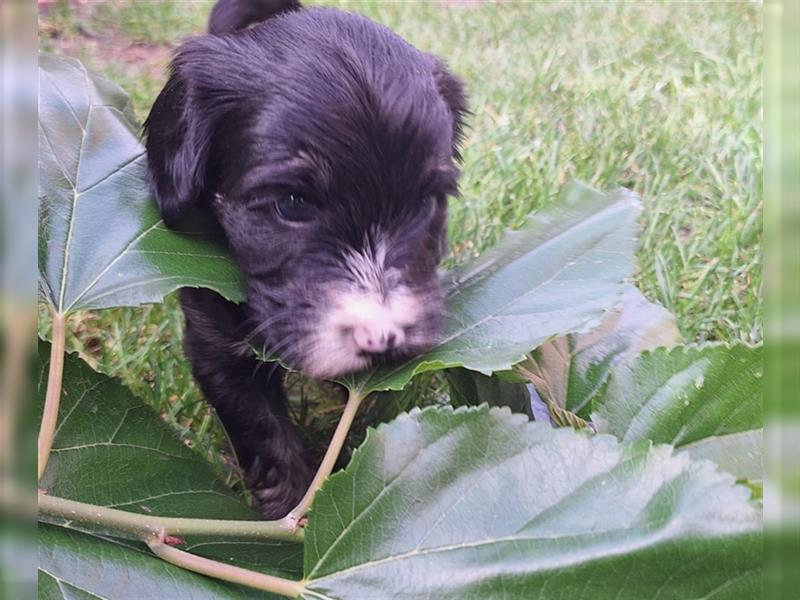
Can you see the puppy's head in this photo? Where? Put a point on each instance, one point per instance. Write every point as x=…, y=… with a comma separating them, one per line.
x=326, y=146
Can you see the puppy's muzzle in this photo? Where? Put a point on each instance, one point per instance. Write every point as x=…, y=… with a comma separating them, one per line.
x=377, y=338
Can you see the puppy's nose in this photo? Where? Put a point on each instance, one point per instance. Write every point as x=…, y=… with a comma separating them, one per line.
x=376, y=340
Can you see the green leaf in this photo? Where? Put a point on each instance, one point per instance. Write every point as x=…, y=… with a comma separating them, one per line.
x=102, y=242
x=555, y=275
x=572, y=370
x=470, y=388
x=702, y=399
x=480, y=503
x=112, y=450
x=79, y=566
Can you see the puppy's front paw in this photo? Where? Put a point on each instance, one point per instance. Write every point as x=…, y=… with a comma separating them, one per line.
x=277, y=491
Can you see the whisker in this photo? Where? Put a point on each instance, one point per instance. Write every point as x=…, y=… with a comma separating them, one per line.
x=265, y=324
x=276, y=349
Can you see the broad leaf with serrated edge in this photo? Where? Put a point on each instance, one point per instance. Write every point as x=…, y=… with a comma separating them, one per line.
x=480, y=503
x=75, y=565
x=571, y=370
x=555, y=275
x=102, y=242
x=702, y=399
x=112, y=450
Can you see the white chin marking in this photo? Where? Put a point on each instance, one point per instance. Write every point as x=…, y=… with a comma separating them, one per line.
x=330, y=363
x=358, y=315
x=338, y=346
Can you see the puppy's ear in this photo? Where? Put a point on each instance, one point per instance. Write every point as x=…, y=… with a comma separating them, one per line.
x=452, y=91
x=180, y=128
x=233, y=15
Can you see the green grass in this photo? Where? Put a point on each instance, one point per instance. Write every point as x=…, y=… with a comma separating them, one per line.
x=662, y=98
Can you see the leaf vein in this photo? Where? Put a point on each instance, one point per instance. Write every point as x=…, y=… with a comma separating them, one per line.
x=114, y=261
x=108, y=176
x=118, y=445
x=69, y=583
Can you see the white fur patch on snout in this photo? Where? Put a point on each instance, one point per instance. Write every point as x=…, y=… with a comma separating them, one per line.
x=368, y=266
x=359, y=324
x=372, y=316
x=364, y=317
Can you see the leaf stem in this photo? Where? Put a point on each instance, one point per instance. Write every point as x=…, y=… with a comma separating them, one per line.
x=143, y=527
x=47, y=429
x=559, y=415
x=354, y=400
x=226, y=572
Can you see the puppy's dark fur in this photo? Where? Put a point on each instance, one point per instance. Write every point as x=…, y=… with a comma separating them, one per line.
x=339, y=111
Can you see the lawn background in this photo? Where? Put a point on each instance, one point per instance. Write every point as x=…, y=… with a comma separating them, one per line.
x=662, y=98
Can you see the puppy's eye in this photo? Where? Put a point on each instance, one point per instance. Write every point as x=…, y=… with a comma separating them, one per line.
x=294, y=208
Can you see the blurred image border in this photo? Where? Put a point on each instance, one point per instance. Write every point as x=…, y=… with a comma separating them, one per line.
x=18, y=216
x=782, y=298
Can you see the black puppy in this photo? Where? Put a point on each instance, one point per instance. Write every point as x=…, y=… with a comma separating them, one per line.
x=326, y=147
